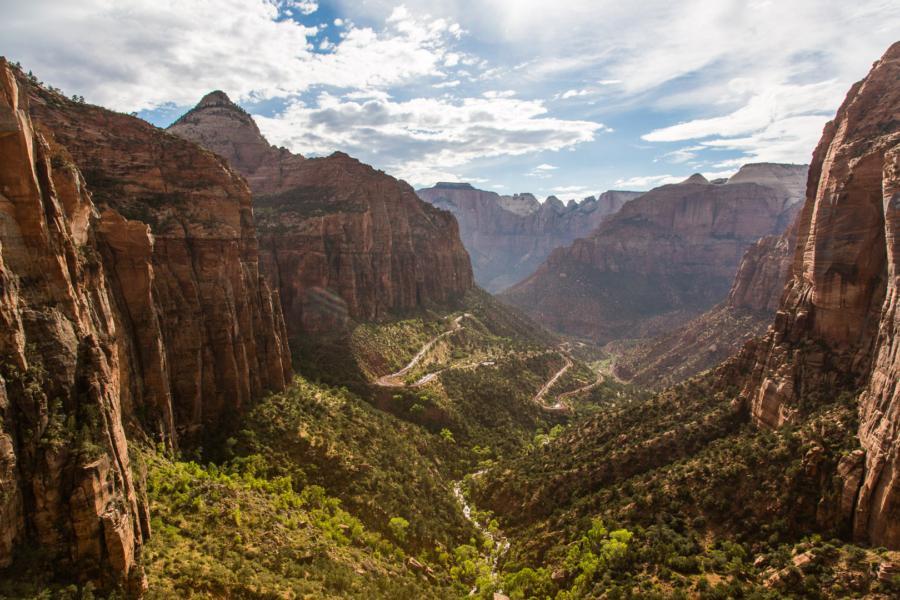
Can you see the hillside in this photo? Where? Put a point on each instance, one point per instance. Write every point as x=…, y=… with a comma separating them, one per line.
x=663, y=259
x=509, y=236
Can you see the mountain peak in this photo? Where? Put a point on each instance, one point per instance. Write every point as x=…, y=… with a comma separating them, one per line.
x=216, y=98
x=695, y=178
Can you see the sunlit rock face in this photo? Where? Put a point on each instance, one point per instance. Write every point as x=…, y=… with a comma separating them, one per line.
x=509, y=236
x=835, y=328
x=337, y=238
x=663, y=258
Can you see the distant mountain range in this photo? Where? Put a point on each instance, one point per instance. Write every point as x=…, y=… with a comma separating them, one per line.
x=509, y=236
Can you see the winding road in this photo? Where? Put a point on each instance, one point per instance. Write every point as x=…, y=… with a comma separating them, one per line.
x=560, y=405
x=389, y=380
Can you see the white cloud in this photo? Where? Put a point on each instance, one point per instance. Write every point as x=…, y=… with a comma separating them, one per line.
x=156, y=52
x=447, y=84
x=504, y=94
x=647, y=182
x=545, y=167
x=421, y=139
x=573, y=93
x=338, y=22
x=682, y=155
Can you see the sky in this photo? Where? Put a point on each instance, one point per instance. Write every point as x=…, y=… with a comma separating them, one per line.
x=569, y=97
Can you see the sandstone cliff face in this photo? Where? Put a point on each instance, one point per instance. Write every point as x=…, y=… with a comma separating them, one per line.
x=201, y=332
x=835, y=328
x=337, y=237
x=663, y=259
x=65, y=472
x=763, y=271
x=719, y=333
x=509, y=236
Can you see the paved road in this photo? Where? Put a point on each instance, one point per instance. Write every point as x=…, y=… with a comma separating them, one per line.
x=390, y=380
x=559, y=405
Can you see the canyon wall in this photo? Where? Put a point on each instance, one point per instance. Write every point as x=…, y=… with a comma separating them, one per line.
x=337, y=237
x=835, y=328
x=509, y=236
x=132, y=308
x=65, y=472
x=664, y=258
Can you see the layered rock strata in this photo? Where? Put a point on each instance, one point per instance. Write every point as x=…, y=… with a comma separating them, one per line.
x=202, y=331
x=337, y=237
x=663, y=259
x=509, y=236
x=835, y=327
x=131, y=305
x=65, y=475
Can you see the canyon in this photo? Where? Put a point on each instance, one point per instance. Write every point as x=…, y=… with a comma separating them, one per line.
x=509, y=236
x=719, y=333
x=337, y=238
x=663, y=259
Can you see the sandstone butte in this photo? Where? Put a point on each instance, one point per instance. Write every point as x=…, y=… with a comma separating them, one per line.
x=138, y=312
x=719, y=333
x=837, y=321
x=508, y=237
x=336, y=236
x=663, y=259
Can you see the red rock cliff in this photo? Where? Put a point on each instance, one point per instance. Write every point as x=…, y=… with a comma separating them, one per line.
x=337, y=237
x=65, y=471
x=835, y=328
x=509, y=236
x=663, y=259
x=201, y=332
x=764, y=270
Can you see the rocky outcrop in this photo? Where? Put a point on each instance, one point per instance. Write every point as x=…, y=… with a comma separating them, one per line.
x=763, y=271
x=663, y=259
x=337, y=237
x=836, y=323
x=509, y=236
x=225, y=128
x=65, y=475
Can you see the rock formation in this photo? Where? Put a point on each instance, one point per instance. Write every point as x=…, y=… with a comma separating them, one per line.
x=836, y=323
x=509, y=236
x=719, y=333
x=131, y=305
x=663, y=259
x=337, y=237
x=65, y=474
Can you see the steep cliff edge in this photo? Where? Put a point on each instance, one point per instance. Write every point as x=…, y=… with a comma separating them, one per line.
x=65, y=474
x=719, y=333
x=509, y=236
x=835, y=327
x=336, y=236
x=202, y=332
x=663, y=259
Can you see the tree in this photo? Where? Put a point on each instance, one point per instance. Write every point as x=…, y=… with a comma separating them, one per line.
x=399, y=526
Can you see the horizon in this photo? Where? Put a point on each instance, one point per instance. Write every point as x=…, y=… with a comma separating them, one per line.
x=589, y=98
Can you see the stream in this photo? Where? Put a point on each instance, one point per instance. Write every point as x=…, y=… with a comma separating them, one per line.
x=500, y=544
